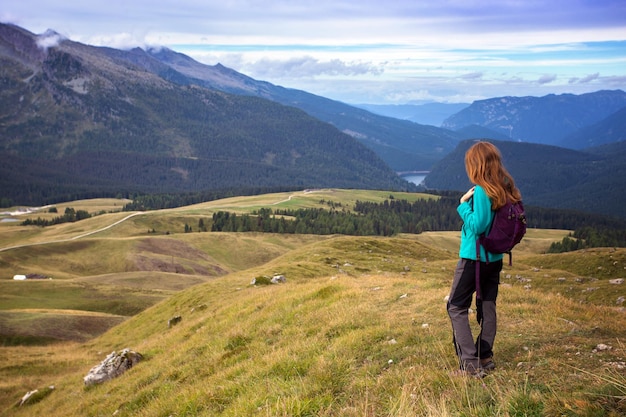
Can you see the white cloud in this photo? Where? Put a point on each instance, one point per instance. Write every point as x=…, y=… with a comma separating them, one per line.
x=547, y=79
x=49, y=39
x=472, y=76
x=589, y=78
x=308, y=66
x=617, y=81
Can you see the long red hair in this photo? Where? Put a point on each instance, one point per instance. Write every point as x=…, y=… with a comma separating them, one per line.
x=483, y=163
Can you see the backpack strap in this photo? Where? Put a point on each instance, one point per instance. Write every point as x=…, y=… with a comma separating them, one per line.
x=477, y=274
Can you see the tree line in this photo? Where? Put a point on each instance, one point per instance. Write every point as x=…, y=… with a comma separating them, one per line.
x=589, y=237
x=71, y=215
x=401, y=216
x=368, y=219
x=143, y=202
x=391, y=217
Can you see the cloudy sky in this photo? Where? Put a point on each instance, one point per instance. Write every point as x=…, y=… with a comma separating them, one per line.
x=367, y=51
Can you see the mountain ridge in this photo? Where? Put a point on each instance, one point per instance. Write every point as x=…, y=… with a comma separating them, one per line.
x=402, y=144
x=612, y=129
x=547, y=120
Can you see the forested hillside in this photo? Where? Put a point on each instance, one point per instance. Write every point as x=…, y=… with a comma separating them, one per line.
x=402, y=144
x=549, y=176
x=78, y=121
x=607, y=131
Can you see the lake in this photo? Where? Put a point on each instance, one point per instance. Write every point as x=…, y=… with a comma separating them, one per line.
x=414, y=178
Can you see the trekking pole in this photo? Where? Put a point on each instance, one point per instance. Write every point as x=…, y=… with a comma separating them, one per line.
x=479, y=302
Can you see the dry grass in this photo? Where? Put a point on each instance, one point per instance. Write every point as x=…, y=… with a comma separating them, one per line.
x=300, y=199
x=347, y=345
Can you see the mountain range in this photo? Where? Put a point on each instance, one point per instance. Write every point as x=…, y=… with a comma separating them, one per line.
x=402, y=144
x=78, y=120
x=549, y=120
x=562, y=120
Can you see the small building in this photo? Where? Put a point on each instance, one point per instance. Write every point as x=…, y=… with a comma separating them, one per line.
x=19, y=277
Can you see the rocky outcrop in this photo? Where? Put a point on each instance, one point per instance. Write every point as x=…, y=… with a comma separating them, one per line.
x=174, y=321
x=34, y=396
x=265, y=280
x=112, y=366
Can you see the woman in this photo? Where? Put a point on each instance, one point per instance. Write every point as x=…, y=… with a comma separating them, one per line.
x=493, y=187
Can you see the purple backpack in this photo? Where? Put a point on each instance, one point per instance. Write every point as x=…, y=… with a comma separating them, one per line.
x=507, y=229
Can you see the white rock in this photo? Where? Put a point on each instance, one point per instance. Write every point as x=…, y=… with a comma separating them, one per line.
x=278, y=279
x=112, y=366
x=27, y=396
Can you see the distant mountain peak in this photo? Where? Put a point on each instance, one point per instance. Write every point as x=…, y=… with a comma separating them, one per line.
x=547, y=120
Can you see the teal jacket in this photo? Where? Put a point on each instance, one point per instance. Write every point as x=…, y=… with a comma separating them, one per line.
x=477, y=217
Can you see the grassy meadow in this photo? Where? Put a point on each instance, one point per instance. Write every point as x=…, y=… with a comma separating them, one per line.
x=359, y=328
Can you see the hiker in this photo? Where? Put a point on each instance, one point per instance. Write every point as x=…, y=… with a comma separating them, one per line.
x=493, y=185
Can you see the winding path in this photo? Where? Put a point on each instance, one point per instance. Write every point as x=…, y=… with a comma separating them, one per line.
x=74, y=237
x=112, y=225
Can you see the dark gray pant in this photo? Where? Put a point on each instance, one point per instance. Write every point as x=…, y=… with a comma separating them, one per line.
x=459, y=302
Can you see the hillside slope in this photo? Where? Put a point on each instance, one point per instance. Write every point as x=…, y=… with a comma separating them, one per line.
x=358, y=328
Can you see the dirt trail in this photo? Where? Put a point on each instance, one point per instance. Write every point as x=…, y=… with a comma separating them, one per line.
x=116, y=223
x=74, y=237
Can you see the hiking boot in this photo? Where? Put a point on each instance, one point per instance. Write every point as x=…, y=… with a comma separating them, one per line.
x=487, y=364
x=469, y=370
